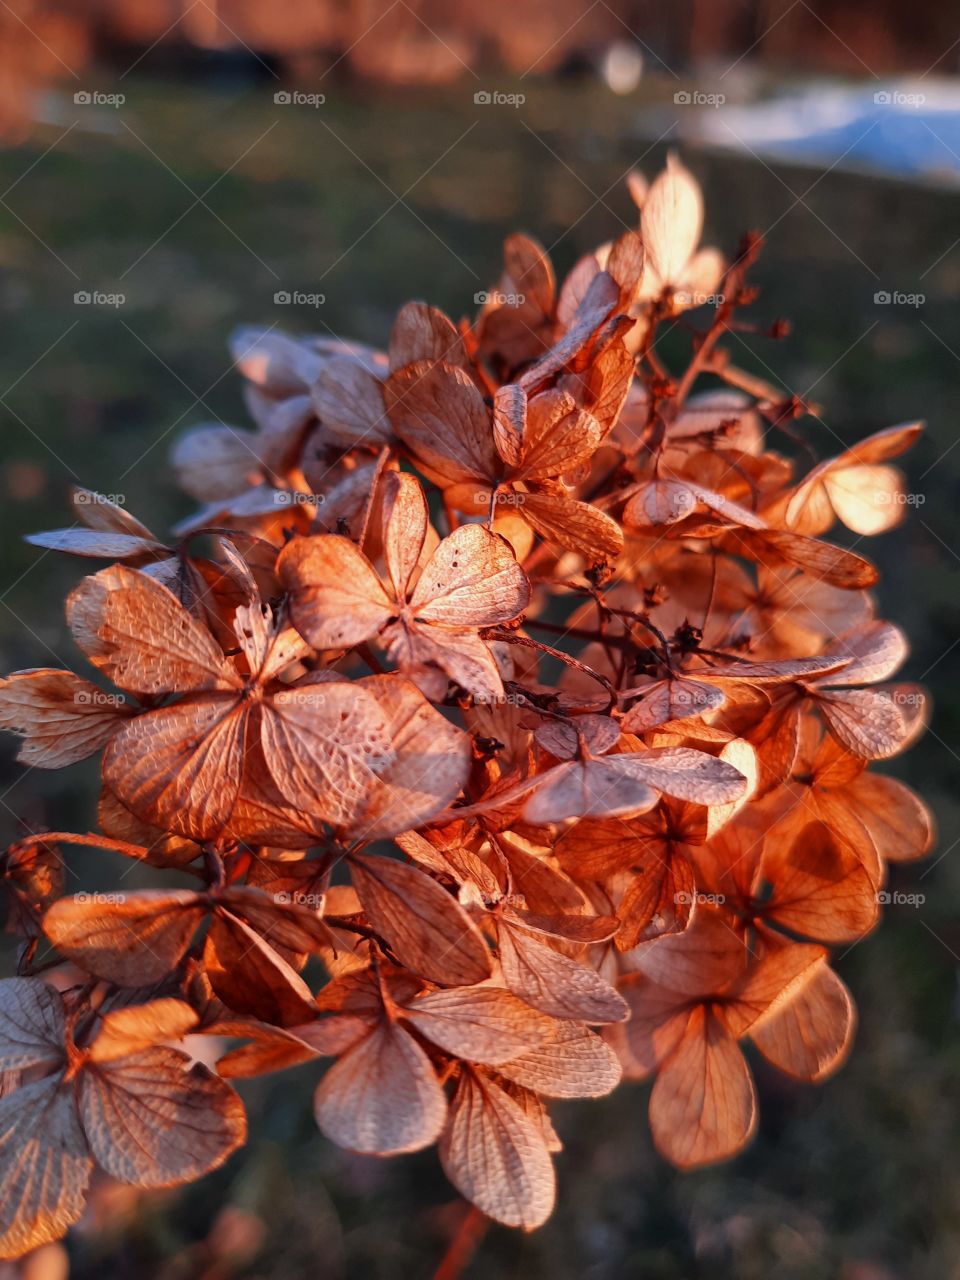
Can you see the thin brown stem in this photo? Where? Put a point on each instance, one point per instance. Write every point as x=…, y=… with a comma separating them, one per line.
x=90, y=840
x=527, y=642
x=576, y=633
x=463, y=1245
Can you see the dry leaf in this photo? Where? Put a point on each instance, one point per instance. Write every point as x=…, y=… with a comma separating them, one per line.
x=425, y=927
x=381, y=1097
x=495, y=1155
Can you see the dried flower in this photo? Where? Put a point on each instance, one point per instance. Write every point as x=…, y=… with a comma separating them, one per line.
x=526, y=603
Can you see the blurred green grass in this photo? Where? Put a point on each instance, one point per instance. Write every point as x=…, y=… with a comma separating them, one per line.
x=372, y=200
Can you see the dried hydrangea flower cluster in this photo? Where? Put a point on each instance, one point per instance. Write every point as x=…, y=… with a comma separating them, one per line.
x=515, y=729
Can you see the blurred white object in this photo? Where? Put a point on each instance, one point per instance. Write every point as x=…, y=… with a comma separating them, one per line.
x=622, y=66
x=903, y=128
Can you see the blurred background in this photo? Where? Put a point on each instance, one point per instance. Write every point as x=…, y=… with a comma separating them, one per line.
x=171, y=169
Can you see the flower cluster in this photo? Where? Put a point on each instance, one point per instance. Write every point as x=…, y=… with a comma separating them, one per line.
x=513, y=722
